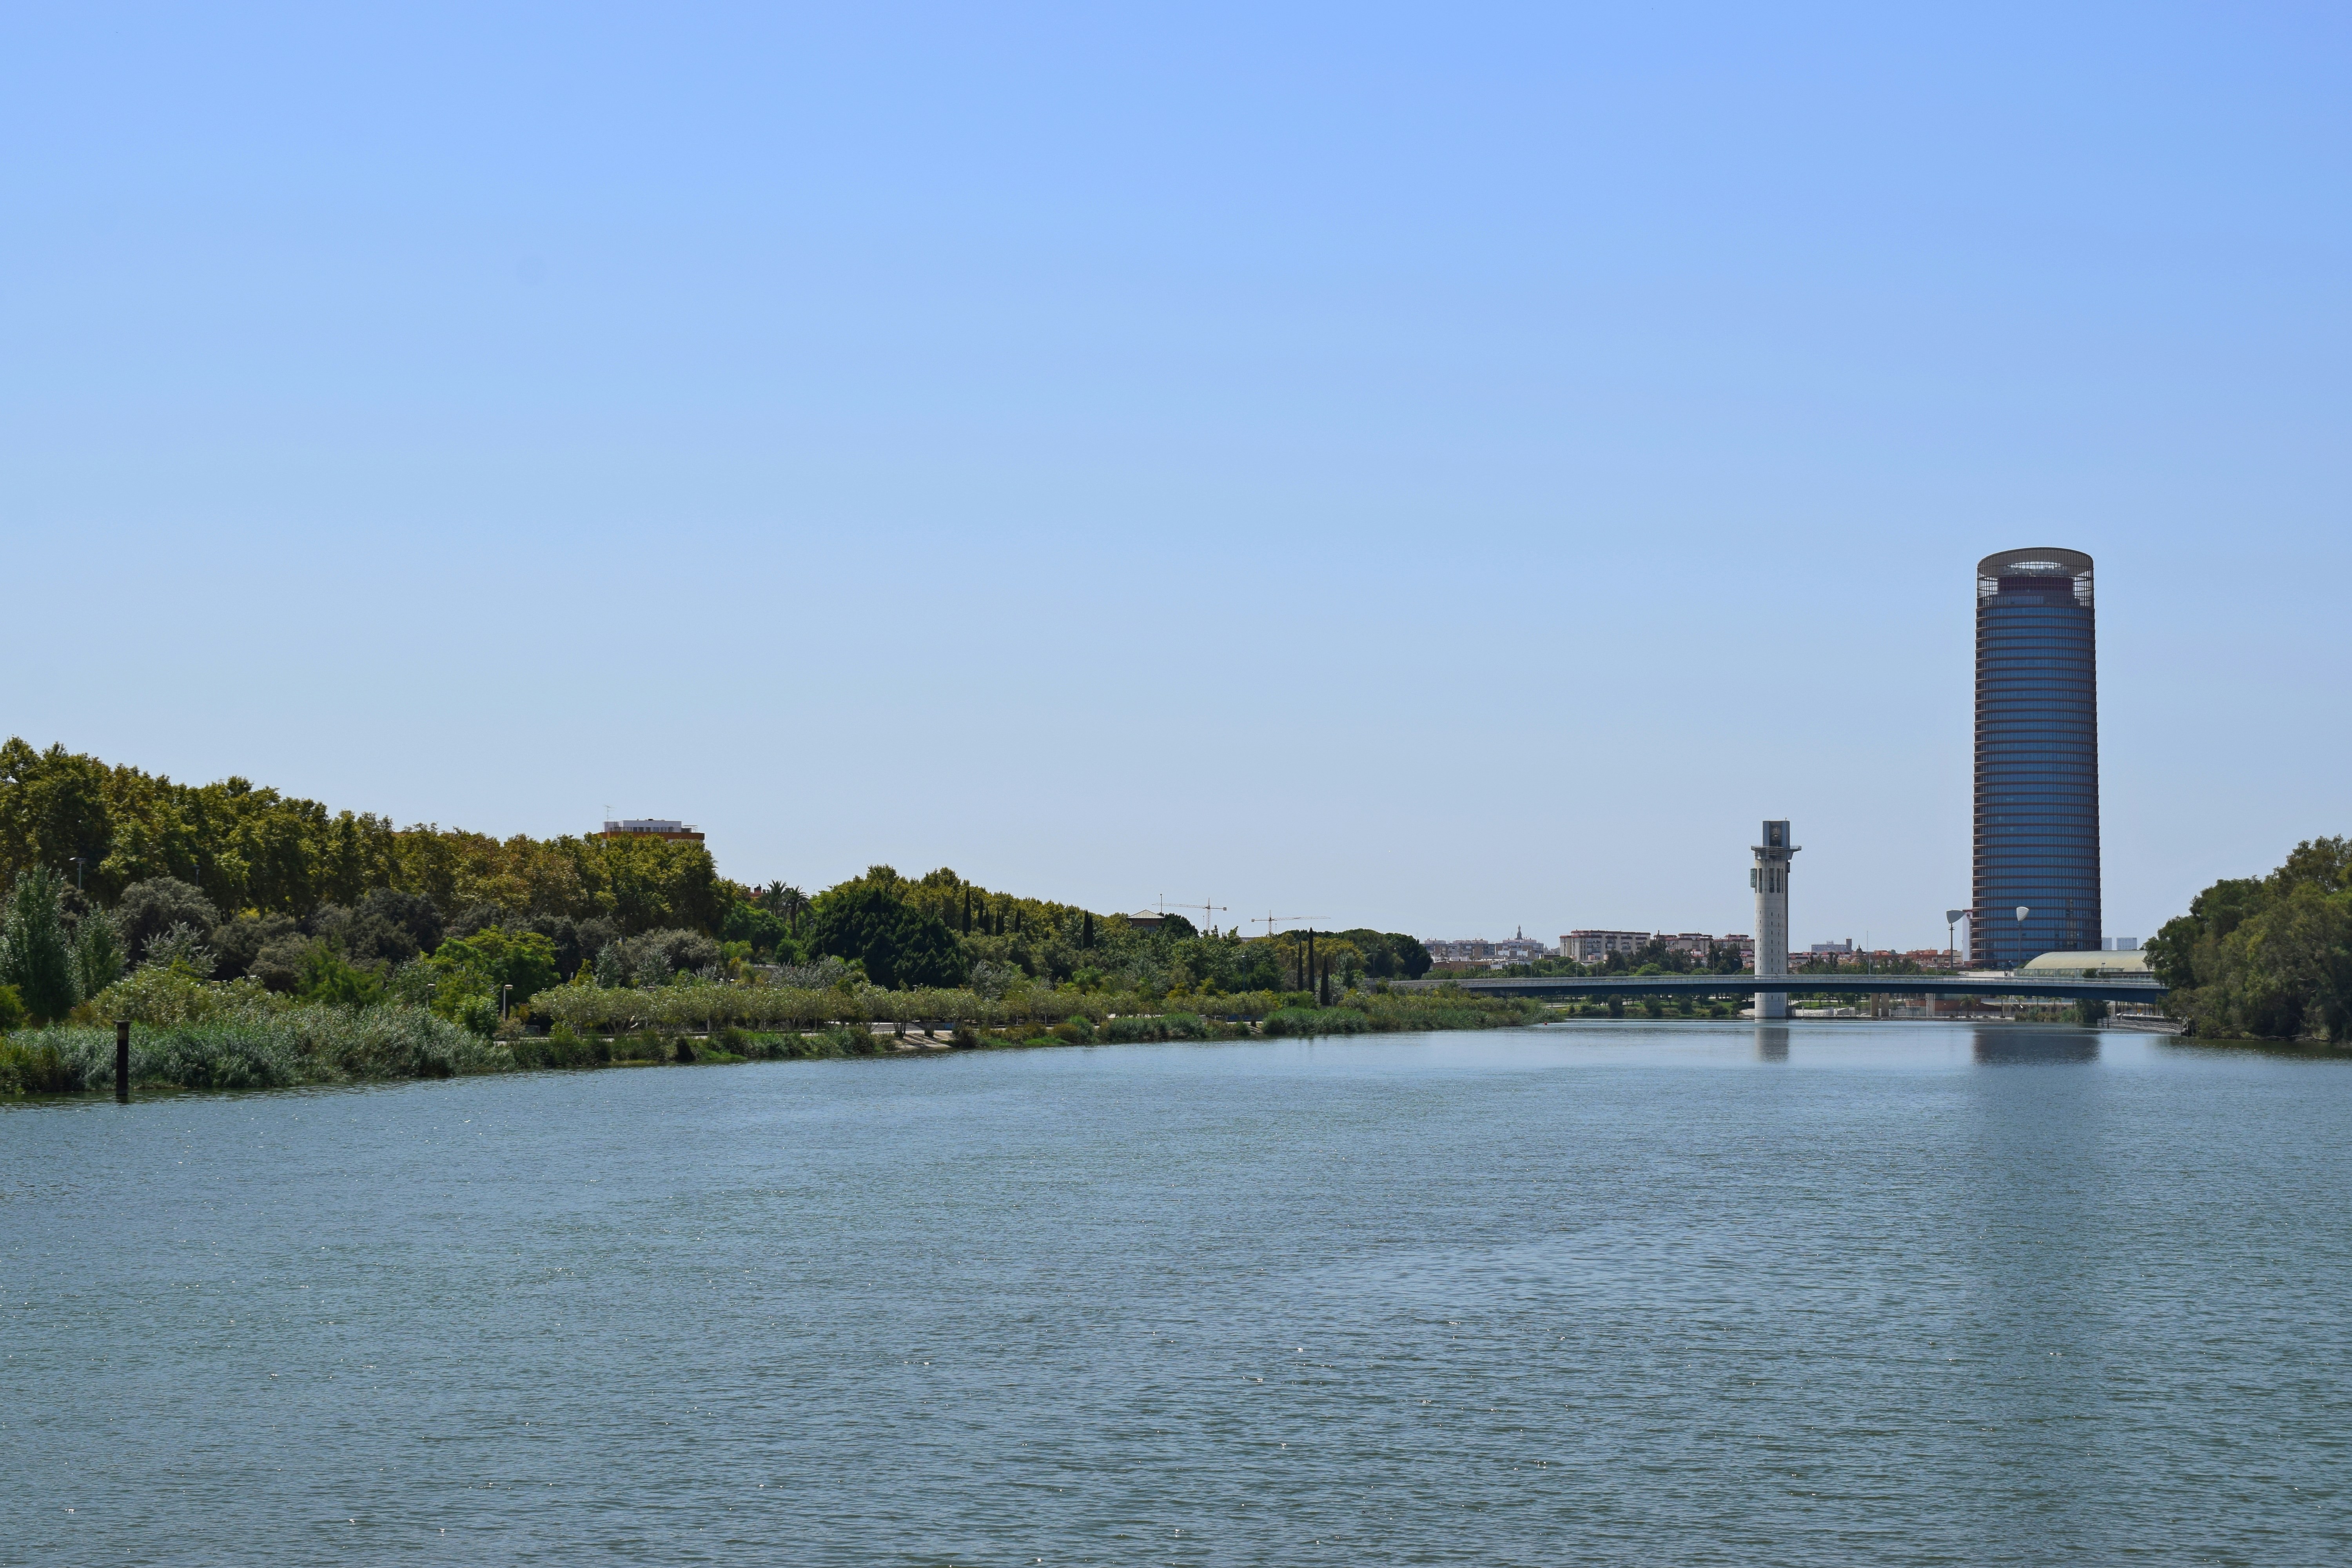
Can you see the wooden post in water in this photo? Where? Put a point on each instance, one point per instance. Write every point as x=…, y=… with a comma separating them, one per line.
x=122, y=1061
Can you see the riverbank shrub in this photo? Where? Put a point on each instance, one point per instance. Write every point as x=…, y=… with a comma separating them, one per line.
x=699, y=1005
x=270, y=1049
x=1316, y=1021
x=1131, y=1028
x=1393, y=1014
x=157, y=994
x=858, y=1042
x=641, y=1045
x=34, y=1067
x=560, y=1047
x=191, y=1033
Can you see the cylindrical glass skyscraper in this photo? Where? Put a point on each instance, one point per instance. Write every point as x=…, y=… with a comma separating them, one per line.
x=2036, y=883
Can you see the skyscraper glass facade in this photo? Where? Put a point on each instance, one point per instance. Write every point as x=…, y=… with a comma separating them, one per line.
x=2037, y=762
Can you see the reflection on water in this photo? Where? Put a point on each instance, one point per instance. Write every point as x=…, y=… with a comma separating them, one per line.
x=2033, y=1173
x=2014, y=1043
x=2000, y=1045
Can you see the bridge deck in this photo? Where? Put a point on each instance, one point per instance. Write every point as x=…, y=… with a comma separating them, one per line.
x=2110, y=988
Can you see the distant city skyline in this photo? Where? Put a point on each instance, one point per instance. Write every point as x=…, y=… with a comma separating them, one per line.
x=1403, y=467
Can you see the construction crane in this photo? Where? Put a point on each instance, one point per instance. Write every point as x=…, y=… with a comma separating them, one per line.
x=1271, y=921
x=1206, y=909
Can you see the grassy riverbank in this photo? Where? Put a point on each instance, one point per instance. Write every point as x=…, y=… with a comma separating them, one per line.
x=259, y=1043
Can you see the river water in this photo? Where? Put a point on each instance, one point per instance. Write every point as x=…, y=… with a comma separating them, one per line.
x=1610, y=1294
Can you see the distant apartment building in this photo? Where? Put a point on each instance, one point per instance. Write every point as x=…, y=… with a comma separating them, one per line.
x=1700, y=946
x=1595, y=946
x=1592, y=946
x=1845, y=955
x=1520, y=949
x=652, y=827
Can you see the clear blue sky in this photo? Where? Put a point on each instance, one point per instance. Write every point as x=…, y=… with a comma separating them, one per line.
x=1447, y=469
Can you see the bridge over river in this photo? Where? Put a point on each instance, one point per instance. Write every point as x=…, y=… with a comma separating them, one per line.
x=2065, y=986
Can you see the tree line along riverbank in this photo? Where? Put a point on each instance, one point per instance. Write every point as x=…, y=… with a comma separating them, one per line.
x=254, y=939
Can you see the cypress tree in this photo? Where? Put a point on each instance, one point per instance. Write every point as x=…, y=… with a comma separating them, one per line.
x=35, y=956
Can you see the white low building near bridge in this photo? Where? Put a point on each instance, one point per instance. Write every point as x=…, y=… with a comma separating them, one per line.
x=2090, y=965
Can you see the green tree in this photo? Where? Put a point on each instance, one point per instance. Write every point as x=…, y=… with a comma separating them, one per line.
x=238, y=945
x=486, y=963
x=35, y=953
x=901, y=945
x=243, y=847
x=148, y=909
x=763, y=928
x=98, y=953
x=2268, y=958
x=655, y=957
x=1389, y=956
x=327, y=975
x=184, y=948
x=53, y=806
